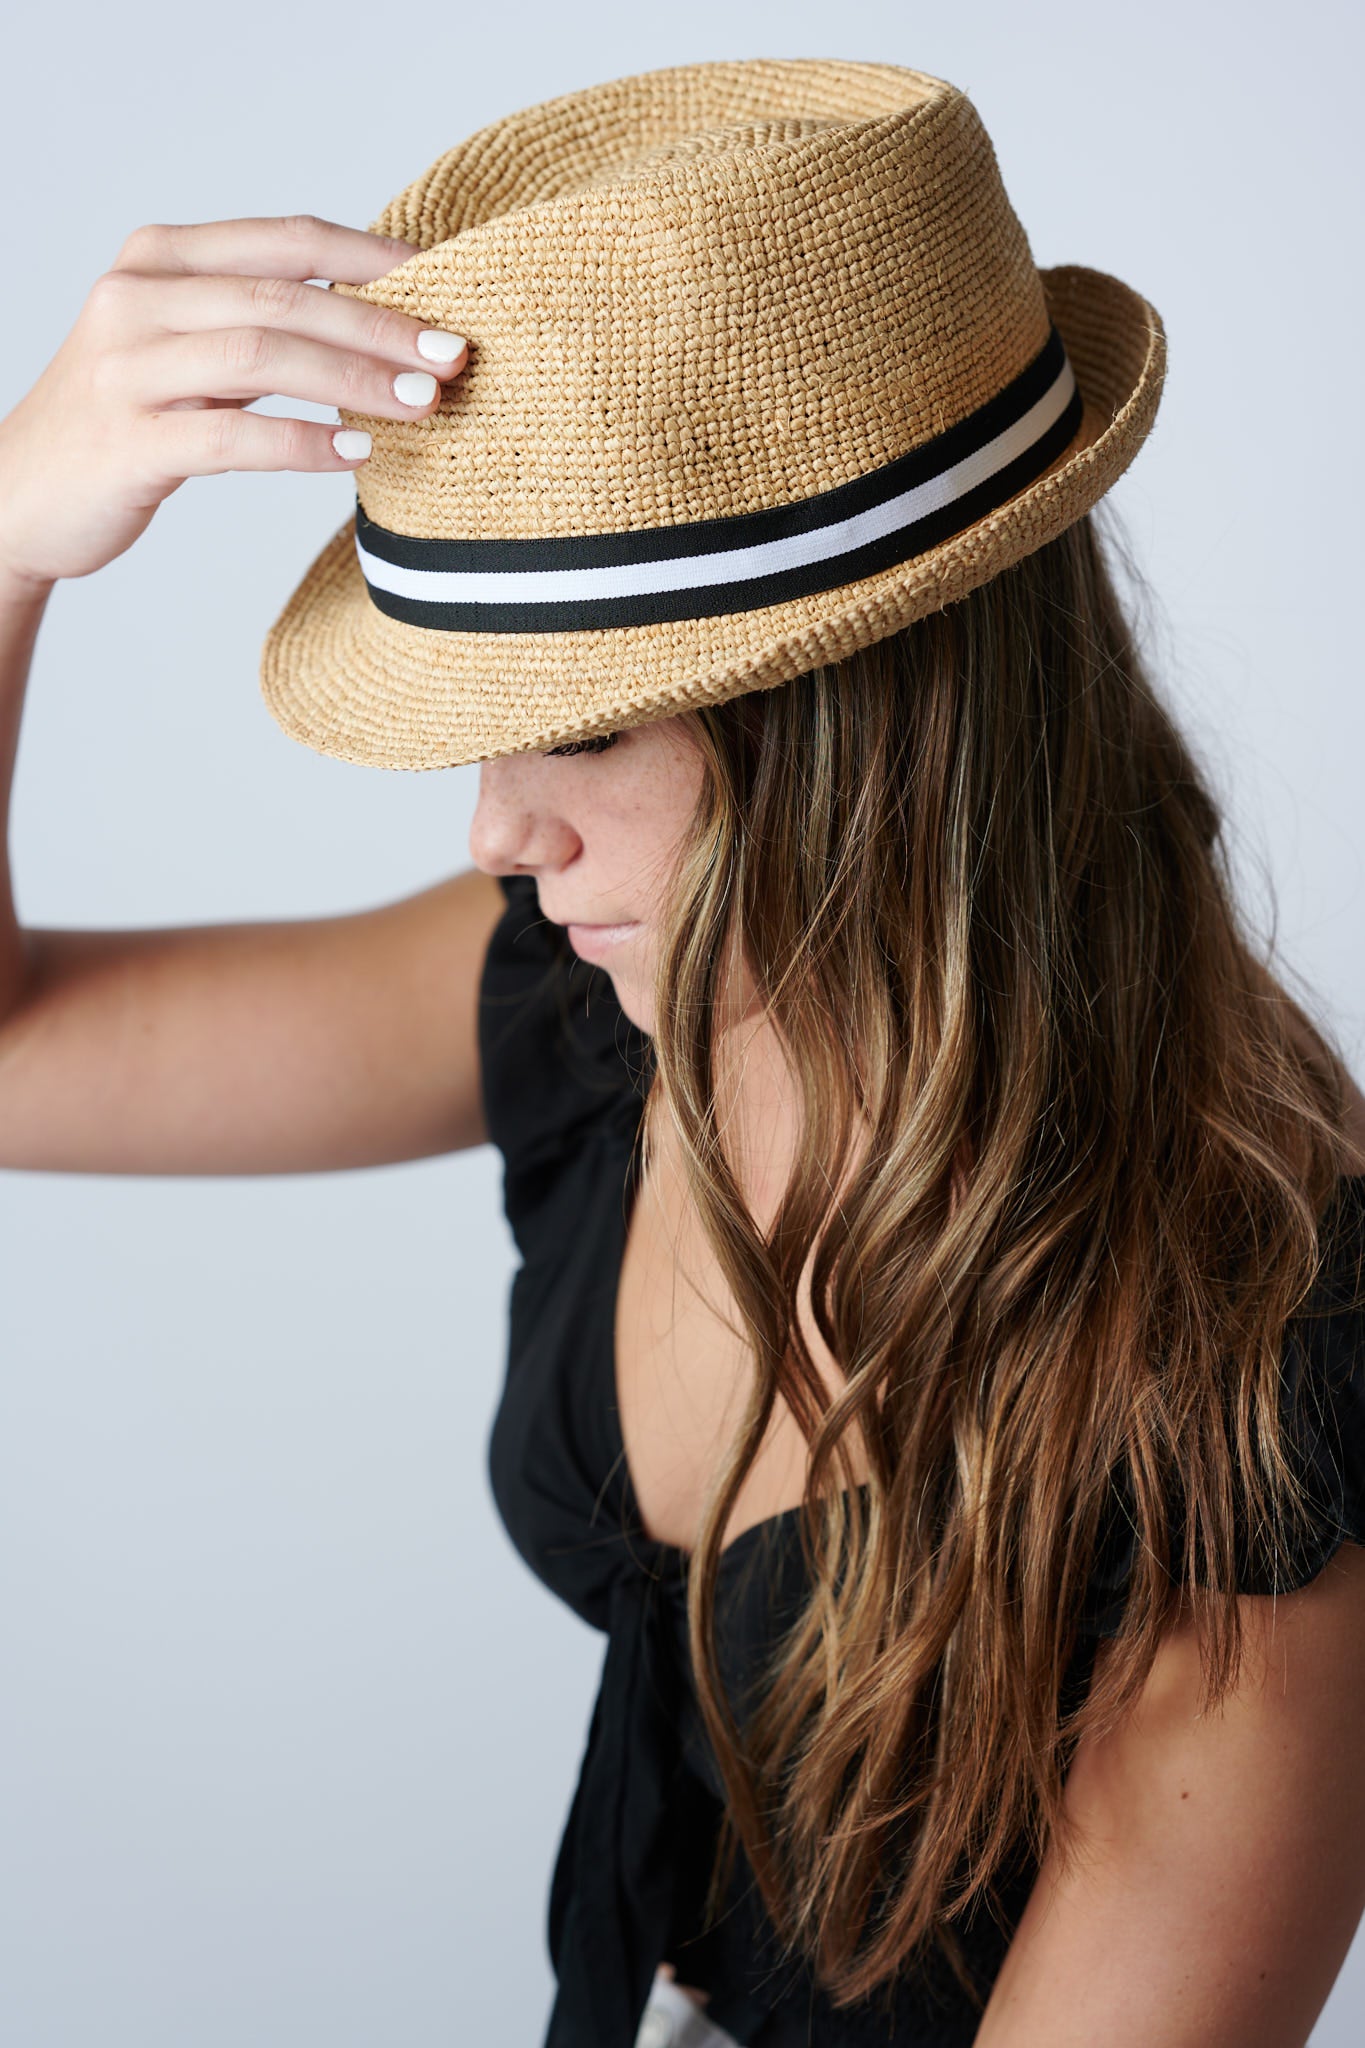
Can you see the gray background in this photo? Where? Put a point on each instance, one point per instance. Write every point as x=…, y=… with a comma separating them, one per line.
x=287, y=1732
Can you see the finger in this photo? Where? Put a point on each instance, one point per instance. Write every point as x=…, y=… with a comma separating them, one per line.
x=240, y=364
x=298, y=245
x=195, y=304
x=180, y=444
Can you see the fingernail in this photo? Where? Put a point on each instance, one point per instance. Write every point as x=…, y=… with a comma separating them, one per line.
x=438, y=346
x=414, y=387
x=352, y=444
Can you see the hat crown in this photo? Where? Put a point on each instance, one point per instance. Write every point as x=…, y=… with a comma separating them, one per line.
x=709, y=142
x=699, y=293
x=581, y=139
x=761, y=370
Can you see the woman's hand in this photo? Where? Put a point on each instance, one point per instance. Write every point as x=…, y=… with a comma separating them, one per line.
x=189, y=325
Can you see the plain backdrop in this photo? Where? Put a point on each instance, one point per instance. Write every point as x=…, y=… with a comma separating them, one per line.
x=287, y=1731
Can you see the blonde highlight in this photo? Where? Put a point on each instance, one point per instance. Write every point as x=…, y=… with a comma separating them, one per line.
x=1065, y=1147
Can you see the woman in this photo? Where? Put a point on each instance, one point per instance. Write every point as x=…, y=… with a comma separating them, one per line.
x=938, y=1352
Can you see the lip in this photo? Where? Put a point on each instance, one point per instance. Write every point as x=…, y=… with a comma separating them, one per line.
x=591, y=940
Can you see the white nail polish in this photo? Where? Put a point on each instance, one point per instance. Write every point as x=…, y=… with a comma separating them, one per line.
x=352, y=444
x=414, y=387
x=438, y=346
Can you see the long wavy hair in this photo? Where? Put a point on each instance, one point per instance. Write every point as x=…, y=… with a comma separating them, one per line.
x=982, y=889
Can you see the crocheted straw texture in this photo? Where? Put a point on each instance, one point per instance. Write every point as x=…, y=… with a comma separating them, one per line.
x=692, y=293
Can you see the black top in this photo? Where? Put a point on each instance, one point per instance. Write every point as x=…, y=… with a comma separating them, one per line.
x=564, y=1074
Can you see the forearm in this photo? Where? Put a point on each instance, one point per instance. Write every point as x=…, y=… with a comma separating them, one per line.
x=22, y=606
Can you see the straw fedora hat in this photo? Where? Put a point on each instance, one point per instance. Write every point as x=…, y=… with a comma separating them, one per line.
x=760, y=370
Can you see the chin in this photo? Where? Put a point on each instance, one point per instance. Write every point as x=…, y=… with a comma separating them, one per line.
x=635, y=1003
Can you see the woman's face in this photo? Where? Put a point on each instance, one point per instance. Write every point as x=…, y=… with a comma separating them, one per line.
x=600, y=832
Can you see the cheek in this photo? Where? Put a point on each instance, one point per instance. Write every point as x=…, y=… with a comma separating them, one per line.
x=670, y=795
x=640, y=826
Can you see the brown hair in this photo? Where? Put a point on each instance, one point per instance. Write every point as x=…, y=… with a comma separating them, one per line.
x=983, y=890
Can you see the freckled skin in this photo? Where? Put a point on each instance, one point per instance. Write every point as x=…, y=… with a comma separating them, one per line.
x=600, y=833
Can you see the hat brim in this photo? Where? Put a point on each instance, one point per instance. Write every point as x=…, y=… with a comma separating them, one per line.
x=347, y=680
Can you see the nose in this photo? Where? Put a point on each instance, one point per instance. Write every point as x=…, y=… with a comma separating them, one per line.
x=514, y=829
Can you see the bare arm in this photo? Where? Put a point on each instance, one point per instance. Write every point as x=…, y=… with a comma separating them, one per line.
x=288, y=1047
x=1220, y=1871
x=254, y=1048
x=21, y=613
